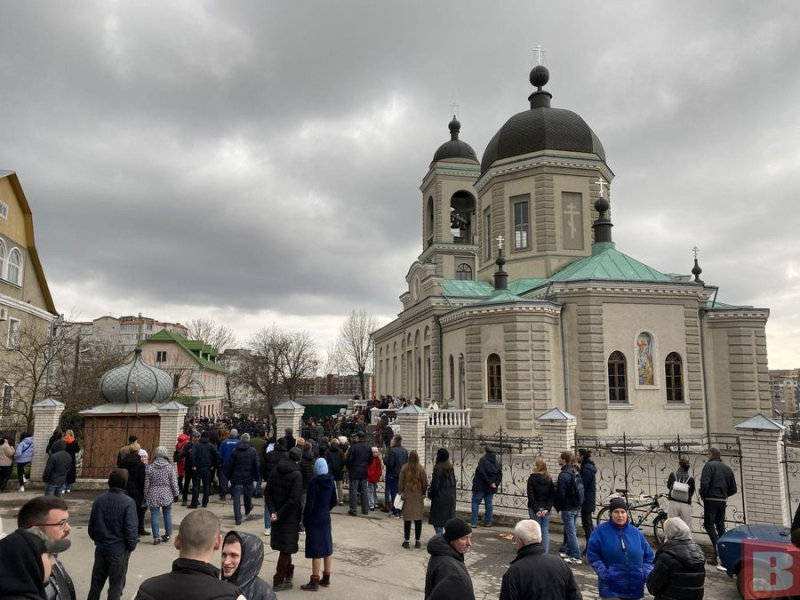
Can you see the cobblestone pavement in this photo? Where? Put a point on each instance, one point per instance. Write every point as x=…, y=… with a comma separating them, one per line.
x=368, y=558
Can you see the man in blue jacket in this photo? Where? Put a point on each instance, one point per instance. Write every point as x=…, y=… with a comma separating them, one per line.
x=225, y=452
x=113, y=526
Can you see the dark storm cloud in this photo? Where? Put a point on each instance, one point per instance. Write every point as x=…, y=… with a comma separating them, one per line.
x=265, y=155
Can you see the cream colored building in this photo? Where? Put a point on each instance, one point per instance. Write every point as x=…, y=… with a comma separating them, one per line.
x=564, y=319
x=26, y=307
x=198, y=376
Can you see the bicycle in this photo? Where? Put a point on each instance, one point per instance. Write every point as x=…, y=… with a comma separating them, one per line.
x=644, y=507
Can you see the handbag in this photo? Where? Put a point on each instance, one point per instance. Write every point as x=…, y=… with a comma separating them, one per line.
x=398, y=502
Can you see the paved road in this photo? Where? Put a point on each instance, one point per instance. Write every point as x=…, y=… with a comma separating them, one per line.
x=368, y=558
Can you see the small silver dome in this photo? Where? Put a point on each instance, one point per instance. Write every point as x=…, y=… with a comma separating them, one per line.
x=136, y=382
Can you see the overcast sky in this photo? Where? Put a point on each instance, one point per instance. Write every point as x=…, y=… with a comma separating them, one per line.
x=259, y=162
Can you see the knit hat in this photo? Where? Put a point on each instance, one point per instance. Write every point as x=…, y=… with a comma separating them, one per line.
x=51, y=545
x=617, y=503
x=455, y=529
x=143, y=453
x=320, y=467
x=442, y=455
x=375, y=450
x=160, y=452
x=295, y=454
x=676, y=529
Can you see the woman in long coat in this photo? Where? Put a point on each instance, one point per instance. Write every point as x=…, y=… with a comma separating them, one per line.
x=411, y=487
x=320, y=500
x=160, y=491
x=136, y=478
x=442, y=491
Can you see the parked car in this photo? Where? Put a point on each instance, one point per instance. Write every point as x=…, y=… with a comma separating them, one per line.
x=731, y=554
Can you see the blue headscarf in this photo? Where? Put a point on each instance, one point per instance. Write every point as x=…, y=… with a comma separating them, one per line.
x=320, y=467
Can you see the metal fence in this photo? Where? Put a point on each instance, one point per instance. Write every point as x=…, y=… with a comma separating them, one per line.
x=791, y=465
x=514, y=453
x=641, y=465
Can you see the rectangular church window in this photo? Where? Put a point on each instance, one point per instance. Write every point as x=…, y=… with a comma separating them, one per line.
x=521, y=223
x=487, y=235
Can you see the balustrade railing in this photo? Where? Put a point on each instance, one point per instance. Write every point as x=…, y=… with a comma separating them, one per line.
x=449, y=418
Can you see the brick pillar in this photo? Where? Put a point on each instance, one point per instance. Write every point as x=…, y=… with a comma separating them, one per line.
x=763, y=475
x=173, y=415
x=411, y=424
x=46, y=415
x=558, y=433
x=288, y=415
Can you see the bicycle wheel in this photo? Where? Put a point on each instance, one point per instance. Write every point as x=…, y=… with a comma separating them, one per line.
x=603, y=515
x=658, y=528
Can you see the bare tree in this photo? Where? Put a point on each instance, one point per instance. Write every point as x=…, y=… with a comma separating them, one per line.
x=298, y=361
x=76, y=371
x=25, y=365
x=260, y=369
x=354, y=345
x=212, y=333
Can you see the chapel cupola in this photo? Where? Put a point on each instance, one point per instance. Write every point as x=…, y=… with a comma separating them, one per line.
x=455, y=149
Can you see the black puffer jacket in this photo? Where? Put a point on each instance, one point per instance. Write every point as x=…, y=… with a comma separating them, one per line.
x=447, y=575
x=246, y=576
x=307, y=468
x=588, y=472
x=488, y=472
x=679, y=572
x=244, y=466
x=283, y=492
x=541, y=492
x=137, y=474
x=189, y=579
x=58, y=465
x=272, y=460
x=205, y=455
x=442, y=493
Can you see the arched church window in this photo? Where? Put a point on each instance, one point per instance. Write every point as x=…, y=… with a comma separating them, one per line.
x=617, y=381
x=429, y=218
x=674, y=377
x=494, y=378
x=464, y=272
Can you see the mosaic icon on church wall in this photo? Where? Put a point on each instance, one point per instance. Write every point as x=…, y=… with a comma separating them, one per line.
x=644, y=359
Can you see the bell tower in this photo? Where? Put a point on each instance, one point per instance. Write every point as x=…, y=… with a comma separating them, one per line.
x=449, y=204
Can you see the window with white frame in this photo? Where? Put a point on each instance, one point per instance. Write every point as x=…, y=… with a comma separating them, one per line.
x=14, y=267
x=161, y=356
x=13, y=334
x=3, y=210
x=521, y=223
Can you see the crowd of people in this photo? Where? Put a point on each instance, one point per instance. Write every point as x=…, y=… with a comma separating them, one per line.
x=301, y=481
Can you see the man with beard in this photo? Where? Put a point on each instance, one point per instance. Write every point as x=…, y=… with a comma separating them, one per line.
x=50, y=515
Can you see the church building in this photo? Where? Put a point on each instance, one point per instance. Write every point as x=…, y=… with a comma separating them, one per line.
x=521, y=302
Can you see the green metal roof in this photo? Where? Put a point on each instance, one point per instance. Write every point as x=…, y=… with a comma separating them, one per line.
x=607, y=262
x=520, y=286
x=466, y=289
x=499, y=296
x=193, y=347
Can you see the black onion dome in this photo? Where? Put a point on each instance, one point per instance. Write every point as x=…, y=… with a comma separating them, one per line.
x=541, y=128
x=455, y=148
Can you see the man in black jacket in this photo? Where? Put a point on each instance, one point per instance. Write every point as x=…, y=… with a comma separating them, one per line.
x=205, y=456
x=282, y=495
x=193, y=576
x=485, y=483
x=588, y=471
x=534, y=574
x=569, y=507
x=272, y=459
x=58, y=466
x=113, y=526
x=447, y=576
x=398, y=456
x=717, y=484
x=358, y=460
x=242, y=471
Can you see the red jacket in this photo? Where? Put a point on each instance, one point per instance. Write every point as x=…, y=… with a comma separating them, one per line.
x=374, y=470
x=183, y=439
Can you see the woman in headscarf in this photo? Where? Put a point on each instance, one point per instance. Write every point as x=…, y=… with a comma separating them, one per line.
x=320, y=500
x=411, y=487
x=442, y=491
x=679, y=571
x=160, y=491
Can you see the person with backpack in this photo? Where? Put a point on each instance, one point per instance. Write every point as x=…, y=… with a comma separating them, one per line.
x=681, y=489
x=568, y=501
